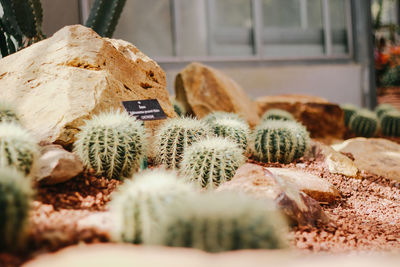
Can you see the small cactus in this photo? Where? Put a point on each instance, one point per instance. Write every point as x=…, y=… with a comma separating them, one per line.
x=280, y=141
x=138, y=207
x=390, y=123
x=211, y=117
x=17, y=148
x=381, y=109
x=236, y=130
x=277, y=114
x=175, y=136
x=15, y=201
x=112, y=143
x=8, y=113
x=212, y=161
x=223, y=222
x=364, y=123
x=178, y=107
x=348, y=110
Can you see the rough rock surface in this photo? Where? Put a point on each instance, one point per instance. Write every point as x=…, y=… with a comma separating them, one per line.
x=203, y=89
x=322, y=119
x=60, y=81
x=260, y=183
x=374, y=155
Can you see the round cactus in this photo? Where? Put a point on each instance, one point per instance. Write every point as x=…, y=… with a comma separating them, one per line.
x=390, y=123
x=277, y=114
x=212, y=161
x=223, y=222
x=178, y=107
x=280, y=141
x=364, y=123
x=18, y=149
x=348, y=110
x=175, y=136
x=8, y=113
x=15, y=201
x=381, y=109
x=112, y=143
x=139, y=206
x=211, y=117
x=235, y=130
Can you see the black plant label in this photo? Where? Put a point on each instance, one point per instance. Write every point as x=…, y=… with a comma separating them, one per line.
x=145, y=110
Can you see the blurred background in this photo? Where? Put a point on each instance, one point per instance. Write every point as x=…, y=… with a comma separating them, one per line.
x=318, y=47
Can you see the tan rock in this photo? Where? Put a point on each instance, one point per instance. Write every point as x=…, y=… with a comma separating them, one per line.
x=322, y=119
x=60, y=81
x=203, y=89
x=374, y=155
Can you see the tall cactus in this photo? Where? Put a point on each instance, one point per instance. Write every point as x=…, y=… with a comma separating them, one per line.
x=104, y=16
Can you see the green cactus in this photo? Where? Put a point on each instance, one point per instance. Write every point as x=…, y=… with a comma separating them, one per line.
x=348, y=110
x=104, y=16
x=223, y=222
x=15, y=201
x=175, y=136
x=277, y=114
x=112, y=143
x=178, y=107
x=381, y=109
x=17, y=148
x=211, y=117
x=236, y=130
x=29, y=16
x=279, y=141
x=138, y=207
x=364, y=123
x=390, y=123
x=8, y=113
x=212, y=161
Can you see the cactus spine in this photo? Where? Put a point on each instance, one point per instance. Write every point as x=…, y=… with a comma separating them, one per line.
x=139, y=206
x=235, y=130
x=212, y=161
x=15, y=201
x=112, y=143
x=383, y=108
x=17, y=148
x=211, y=117
x=390, y=123
x=104, y=16
x=223, y=222
x=280, y=141
x=175, y=136
x=348, y=110
x=8, y=113
x=364, y=123
x=277, y=114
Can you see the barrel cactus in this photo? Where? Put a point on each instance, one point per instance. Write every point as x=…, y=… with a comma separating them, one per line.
x=381, y=109
x=348, y=110
x=236, y=130
x=8, y=113
x=211, y=117
x=138, y=207
x=364, y=123
x=112, y=143
x=175, y=136
x=178, y=107
x=18, y=149
x=223, y=222
x=279, y=141
x=212, y=161
x=277, y=114
x=390, y=123
x=15, y=201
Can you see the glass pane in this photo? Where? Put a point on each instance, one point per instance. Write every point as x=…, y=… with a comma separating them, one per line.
x=147, y=25
x=292, y=28
x=339, y=26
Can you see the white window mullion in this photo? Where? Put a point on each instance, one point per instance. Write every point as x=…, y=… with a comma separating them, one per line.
x=326, y=15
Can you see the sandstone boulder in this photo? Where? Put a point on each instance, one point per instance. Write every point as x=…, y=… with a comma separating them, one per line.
x=58, y=82
x=322, y=119
x=203, y=89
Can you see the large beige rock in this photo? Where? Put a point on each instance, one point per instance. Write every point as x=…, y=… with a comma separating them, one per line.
x=60, y=81
x=374, y=155
x=322, y=119
x=203, y=89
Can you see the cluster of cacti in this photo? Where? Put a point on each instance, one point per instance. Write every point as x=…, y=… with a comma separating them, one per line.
x=390, y=123
x=277, y=114
x=138, y=208
x=104, y=16
x=212, y=161
x=364, y=123
x=223, y=222
x=233, y=129
x=178, y=107
x=15, y=201
x=279, y=141
x=8, y=113
x=174, y=136
x=112, y=143
x=381, y=109
x=17, y=147
x=211, y=117
x=349, y=110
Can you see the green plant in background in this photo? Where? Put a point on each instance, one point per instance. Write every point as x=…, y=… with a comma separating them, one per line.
x=277, y=114
x=390, y=123
x=279, y=141
x=223, y=222
x=174, y=136
x=348, y=110
x=15, y=201
x=18, y=149
x=211, y=117
x=364, y=123
x=212, y=161
x=8, y=113
x=138, y=207
x=381, y=109
x=112, y=143
x=391, y=77
x=236, y=130
x=178, y=107
x=104, y=16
